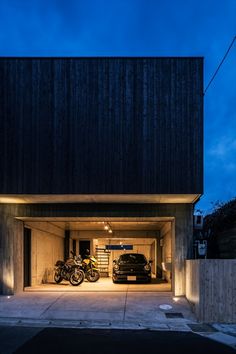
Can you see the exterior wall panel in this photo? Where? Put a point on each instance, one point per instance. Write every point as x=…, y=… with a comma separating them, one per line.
x=210, y=288
x=101, y=125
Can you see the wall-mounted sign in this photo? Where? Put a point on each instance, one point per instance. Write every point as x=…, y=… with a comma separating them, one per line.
x=119, y=247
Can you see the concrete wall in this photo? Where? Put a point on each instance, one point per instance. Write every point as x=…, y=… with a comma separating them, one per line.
x=137, y=238
x=47, y=246
x=143, y=246
x=182, y=247
x=11, y=253
x=153, y=257
x=193, y=284
x=92, y=234
x=211, y=289
x=180, y=214
x=166, y=242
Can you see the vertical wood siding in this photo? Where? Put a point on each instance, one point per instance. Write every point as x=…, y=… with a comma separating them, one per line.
x=211, y=287
x=101, y=125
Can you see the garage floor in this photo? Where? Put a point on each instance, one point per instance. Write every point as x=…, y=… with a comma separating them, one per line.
x=102, y=285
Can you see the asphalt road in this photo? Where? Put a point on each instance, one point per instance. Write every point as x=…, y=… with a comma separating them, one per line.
x=30, y=340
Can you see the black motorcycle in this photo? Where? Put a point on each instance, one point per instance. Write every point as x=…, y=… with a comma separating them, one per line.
x=70, y=271
x=89, y=267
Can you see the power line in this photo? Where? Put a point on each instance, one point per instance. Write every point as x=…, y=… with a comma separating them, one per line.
x=218, y=68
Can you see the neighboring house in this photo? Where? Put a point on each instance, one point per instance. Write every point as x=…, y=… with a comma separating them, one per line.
x=210, y=280
x=221, y=226
x=88, y=141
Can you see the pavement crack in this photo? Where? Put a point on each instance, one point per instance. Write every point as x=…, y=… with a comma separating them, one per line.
x=52, y=304
x=125, y=306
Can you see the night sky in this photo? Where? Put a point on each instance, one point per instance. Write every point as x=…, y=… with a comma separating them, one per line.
x=142, y=28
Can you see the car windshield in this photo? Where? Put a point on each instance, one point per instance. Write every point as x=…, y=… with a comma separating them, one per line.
x=132, y=258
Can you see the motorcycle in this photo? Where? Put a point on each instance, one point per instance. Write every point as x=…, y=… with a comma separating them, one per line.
x=70, y=270
x=89, y=267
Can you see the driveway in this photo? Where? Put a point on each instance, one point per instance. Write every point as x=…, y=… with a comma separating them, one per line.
x=86, y=310
x=128, y=307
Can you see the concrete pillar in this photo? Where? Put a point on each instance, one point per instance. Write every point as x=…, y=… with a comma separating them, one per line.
x=6, y=256
x=67, y=245
x=11, y=254
x=182, y=247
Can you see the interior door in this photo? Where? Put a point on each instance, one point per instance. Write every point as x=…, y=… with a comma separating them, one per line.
x=83, y=246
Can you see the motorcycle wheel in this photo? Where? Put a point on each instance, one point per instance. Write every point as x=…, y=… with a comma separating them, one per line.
x=92, y=275
x=77, y=278
x=58, y=278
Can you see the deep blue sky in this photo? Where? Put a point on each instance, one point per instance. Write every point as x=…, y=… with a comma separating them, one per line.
x=142, y=28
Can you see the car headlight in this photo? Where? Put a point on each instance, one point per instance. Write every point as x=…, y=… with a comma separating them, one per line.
x=147, y=267
x=116, y=267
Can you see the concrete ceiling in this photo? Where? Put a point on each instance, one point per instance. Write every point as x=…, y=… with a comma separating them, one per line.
x=115, y=226
x=98, y=198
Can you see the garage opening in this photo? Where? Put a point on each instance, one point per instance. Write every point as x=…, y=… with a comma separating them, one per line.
x=53, y=239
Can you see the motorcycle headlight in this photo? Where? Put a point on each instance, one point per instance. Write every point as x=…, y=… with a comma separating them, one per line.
x=147, y=267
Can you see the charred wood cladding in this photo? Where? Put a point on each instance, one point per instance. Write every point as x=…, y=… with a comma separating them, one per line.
x=101, y=125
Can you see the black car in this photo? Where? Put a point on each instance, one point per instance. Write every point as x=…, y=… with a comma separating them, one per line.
x=131, y=267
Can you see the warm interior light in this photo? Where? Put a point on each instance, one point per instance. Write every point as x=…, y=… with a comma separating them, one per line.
x=176, y=299
x=107, y=227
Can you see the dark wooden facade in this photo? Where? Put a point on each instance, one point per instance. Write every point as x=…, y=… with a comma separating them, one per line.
x=101, y=125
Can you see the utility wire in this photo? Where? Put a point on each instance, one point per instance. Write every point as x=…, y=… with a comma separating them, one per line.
x=218, y=68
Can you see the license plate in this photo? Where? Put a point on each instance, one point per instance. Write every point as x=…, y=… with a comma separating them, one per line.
x=131, y=277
